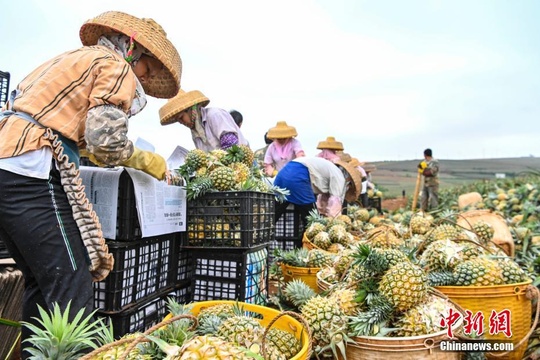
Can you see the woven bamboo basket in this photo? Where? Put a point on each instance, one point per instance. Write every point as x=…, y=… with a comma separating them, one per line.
x=402, y=348
x=306, y=243
x=502, y=236
x=515, y=297
x=307, y=275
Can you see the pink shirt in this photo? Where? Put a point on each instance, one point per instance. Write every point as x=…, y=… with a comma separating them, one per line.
x=216, y=122
x=329, y=155
x=278, y=155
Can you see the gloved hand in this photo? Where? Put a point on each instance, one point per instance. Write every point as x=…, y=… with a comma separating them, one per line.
x=91, y=157
x=421, y=166
x=149, y=162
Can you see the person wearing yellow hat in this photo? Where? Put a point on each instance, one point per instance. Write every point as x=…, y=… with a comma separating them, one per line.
x=81, y=99
x=329, y=149
x=284, y=148
x=211, y=128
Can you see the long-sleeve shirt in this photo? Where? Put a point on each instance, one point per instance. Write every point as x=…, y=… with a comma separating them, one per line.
x=279, y=155
x=326, y=178
x=216, y=122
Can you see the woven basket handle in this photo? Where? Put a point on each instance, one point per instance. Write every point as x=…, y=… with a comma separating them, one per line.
x=297, y=317
x=532, y=292
x=141, y=338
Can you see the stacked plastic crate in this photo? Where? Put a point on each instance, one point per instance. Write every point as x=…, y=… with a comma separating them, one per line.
x=227, y=239
x=146, y=271
x=288, y=232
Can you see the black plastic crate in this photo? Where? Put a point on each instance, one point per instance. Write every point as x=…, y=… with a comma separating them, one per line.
x=230, y=274
x=4, y=87
x=289, y=225
x=184, y=262
x=141, y=269
x=144, y=315
x=230, y=219
x=4, y=253
x=375, y=203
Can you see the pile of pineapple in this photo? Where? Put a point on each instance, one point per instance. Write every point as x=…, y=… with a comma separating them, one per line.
x=219, y=331
x=222, y=170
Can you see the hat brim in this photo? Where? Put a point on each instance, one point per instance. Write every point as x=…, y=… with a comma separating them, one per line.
x=282, y=132
x=181, y=102
x=354, y=190
x=336, y=145
x=149, y=34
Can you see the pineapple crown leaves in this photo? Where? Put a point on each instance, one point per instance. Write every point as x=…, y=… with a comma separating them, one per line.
x=338, y=342
x=373, y=260
x=373, y=322
x=280, y=193
x=298, y=292
x=70, y=338
x=198, y=187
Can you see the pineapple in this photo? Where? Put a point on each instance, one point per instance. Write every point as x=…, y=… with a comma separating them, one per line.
x=345, y=219
x=443, y=231
x=319, y=258
x=222, y=311
x=314, y=228
x=404, y=285
x=241, y=330
x=285, y=342
x=343, y=261
x=385, y=237
x=325, y=318
x=424, y=318
x=241, y=170
x=362, y=215
x=210, y=347
x=196, y=159
x=419, y=224
x=479, y=271
x=248, y=155
x=346, y=300
x=223, y=178
x=338, y=234
x=512, y=273
x=440, y=278
x=441, y=255
x=322, y=240
x=484, y=231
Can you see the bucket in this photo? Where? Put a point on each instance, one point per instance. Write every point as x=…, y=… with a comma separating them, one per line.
x=517, y=298
x=322, y=284
x=307, y=275
x=306, y=243
x=402, y=348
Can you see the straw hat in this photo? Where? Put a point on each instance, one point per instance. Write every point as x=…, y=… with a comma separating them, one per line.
x=355, y=162
x=330, y=143
x=149, y=34
x=343, y=156
x=369, y=167
x=353, y=191
x=182, y=101
x=282, y=131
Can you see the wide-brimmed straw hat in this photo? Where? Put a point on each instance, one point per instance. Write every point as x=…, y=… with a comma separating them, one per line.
x=343, y=156
x=369, y=167
x=149, y=34
x=182, y=101
x=355, y=162
x=330, y=143
x=282, y=131
x=354, y=189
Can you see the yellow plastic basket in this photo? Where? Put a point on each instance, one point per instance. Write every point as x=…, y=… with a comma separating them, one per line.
x=307, y=275
x=268, y=318
x=485, y=299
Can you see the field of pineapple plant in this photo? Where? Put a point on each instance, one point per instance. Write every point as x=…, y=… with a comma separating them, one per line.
x=361, y=278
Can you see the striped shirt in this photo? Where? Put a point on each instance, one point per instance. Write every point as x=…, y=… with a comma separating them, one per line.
x=59, y=93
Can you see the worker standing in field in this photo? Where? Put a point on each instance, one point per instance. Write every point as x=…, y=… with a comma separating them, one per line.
x=430, y=192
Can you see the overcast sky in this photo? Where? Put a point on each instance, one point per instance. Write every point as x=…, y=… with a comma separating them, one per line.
x=388, y=78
